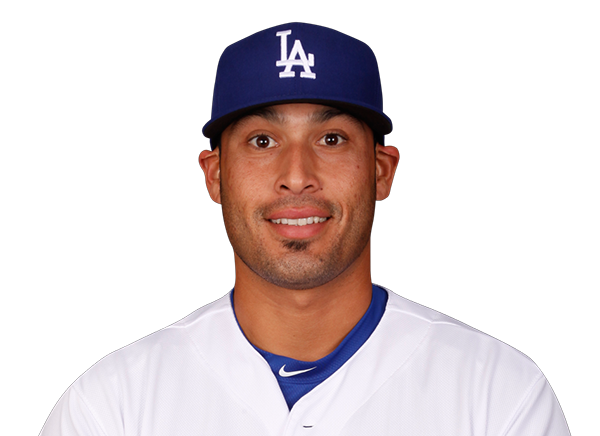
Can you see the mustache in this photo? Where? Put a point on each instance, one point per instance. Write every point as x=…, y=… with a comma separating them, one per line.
x=297, y=202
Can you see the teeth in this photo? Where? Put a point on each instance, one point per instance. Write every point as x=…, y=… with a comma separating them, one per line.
x=299, y=221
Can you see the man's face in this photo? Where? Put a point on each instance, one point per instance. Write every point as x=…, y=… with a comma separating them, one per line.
x=299, y=163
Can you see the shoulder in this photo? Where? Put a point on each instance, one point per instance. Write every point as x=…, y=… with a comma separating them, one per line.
x=456, y=345
x=167, y=351
x=437, y=372
x=157, y=382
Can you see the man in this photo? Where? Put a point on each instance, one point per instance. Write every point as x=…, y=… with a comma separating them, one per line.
x=305, y=343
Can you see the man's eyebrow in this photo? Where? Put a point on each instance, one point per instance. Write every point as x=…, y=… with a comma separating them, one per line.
x=317, y=117
x=325, y=115
x=265, y=112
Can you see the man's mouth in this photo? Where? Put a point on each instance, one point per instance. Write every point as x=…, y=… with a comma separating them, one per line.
x=299, y=221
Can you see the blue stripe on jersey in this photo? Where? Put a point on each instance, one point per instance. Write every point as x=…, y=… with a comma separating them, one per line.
x=295, y=385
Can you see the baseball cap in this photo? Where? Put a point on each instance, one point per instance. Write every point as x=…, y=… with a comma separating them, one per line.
x=297, y=63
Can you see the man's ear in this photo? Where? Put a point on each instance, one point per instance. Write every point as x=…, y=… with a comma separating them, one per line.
x=209, y=162
x=386, y=162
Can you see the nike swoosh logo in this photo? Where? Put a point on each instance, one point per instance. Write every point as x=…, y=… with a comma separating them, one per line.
x=284, y=373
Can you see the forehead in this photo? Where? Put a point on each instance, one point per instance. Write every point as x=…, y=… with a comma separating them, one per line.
x=282, y=114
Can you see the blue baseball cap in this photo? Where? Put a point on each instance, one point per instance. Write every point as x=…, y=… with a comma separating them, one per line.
x=297, y=63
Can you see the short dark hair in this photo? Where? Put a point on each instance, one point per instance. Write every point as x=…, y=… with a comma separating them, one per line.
x=216, y=143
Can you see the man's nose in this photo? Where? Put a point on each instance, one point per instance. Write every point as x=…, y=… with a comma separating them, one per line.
x=297, y=170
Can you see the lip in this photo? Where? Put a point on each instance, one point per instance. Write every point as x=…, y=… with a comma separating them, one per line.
x=300, y=212
x=298, y=232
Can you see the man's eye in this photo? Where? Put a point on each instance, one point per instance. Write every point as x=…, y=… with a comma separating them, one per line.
x=262, y=141
x=332, y=139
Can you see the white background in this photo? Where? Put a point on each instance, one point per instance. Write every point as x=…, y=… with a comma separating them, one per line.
x=18, y=153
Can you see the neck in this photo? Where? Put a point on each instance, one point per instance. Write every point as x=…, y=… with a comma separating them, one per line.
x=302, y=324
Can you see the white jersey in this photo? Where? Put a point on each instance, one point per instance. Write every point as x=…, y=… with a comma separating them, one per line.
x=420, y=373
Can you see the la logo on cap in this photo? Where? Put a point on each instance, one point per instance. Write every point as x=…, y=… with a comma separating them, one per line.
x=297, y=57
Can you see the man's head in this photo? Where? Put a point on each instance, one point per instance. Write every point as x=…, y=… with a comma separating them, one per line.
x=298, y=179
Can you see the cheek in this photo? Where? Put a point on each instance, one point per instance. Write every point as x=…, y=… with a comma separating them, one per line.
x=352, y=185
x=243, y=183
x=363, y=180
x=364, y=171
